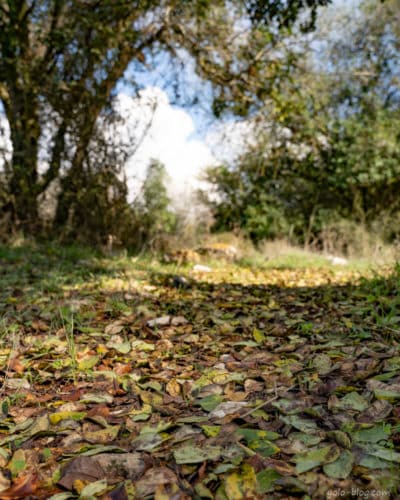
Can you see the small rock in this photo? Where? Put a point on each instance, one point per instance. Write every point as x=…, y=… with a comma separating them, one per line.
x=202, y=269
x=337, y=261
x=178, y=321
x=161, y=321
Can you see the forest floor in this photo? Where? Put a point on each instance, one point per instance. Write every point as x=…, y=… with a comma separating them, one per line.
x=120, y=380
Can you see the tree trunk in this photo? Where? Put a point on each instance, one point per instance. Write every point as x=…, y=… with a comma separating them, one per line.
x=23, y=119
x=69, y=212
x=73, y=187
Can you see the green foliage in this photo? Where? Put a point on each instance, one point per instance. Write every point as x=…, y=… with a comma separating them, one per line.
x=154, y=220
x=99, y=208
x=155, y=197
x=366, y=159
x=247, y=203
x=328, y=148
x=284, y=13
x=264, y=220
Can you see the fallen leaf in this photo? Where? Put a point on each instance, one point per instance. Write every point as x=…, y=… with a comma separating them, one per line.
x=17, y=384
x=266, y=480
x=15, y=365
x=314, y=458
x=373, y=434
x=17, y=463
x=179, y=321
x=302, y=424
x=119, y=466
x=173, y=388
x=341, y=468
x=114, y=328
x=153, y=478
x=22, y=487
x=378, y=411
x=92, y=397
x=209, y=403
x=88, y=362
x=94, y=489
x=322, y=363
x=5, y=482
x=194, y=454
x=242, y=484
x=55, y=418
x=384, y=391
x=81, y=468
x=228, y=408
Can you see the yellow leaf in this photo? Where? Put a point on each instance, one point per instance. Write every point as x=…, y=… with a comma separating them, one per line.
x=211, y=430
x=150, y=398
x=258, y=336
x=232, y=487
x=88, y=363
x=145, y=409
x=79, y=485
x=103, y=436
x=66, y=415
x=173, y=388
x=241, y=485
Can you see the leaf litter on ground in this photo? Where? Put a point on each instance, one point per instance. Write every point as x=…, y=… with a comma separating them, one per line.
x=248, y=384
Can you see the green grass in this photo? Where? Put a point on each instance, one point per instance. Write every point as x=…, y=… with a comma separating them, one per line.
x=294, y=260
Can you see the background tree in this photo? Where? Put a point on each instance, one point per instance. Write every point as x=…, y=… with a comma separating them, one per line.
x=327, y=146
x=155, y=220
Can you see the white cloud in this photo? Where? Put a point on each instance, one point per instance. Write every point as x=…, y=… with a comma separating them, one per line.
x=170, y=139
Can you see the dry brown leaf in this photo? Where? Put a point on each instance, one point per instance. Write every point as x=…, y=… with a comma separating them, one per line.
x=114, y=328
x=82, y=469
x=122, y=368
x=15, y=365
x=22, y=487
x=40, y=325
x=152, y=479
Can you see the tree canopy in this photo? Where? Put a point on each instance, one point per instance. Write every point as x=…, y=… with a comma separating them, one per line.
x=60, y=61
x=327, y=153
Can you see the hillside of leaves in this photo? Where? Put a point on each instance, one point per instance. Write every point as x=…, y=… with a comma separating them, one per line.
x=122, y=380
